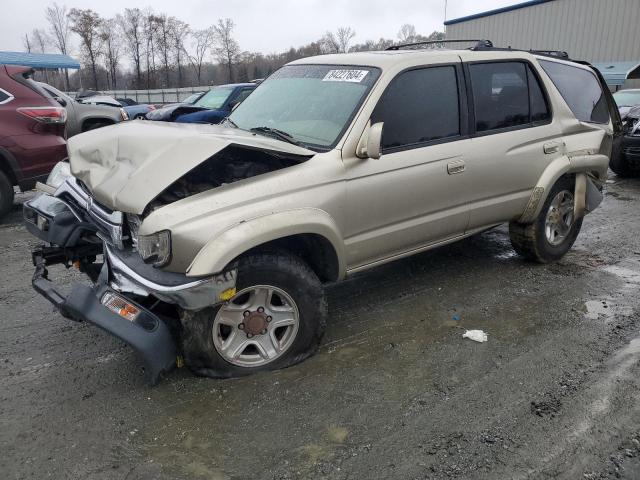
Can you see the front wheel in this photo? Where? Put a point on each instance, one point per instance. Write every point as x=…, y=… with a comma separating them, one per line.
x=6, y=195
x=555, y=229
x=275, y=320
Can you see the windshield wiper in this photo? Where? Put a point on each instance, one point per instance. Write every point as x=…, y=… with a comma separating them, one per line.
x=279, y=134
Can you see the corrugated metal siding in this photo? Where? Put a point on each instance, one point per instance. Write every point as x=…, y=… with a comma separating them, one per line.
x=593, y=30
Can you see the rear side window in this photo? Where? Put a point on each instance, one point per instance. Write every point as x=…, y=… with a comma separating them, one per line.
x=580, y=89
x=506, y=95
x=419, y=106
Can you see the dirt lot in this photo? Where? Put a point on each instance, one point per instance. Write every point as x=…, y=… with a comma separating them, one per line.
x=395, y=392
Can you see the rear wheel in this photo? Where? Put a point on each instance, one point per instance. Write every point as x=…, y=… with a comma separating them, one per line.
x=6, y=194
x=276, y=319
x=555, y=229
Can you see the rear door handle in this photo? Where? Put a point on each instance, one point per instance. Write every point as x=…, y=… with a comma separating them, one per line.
x=552, y=147
x=456, y=167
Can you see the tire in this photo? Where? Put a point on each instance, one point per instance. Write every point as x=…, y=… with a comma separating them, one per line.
x=532, y=241
x=203, y=331
x=6, y=195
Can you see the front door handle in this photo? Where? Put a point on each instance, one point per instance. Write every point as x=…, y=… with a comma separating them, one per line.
x=456, y=167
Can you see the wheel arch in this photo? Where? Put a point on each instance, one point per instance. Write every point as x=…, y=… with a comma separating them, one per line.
x=93, y=120
x=593, y=166
x=309, y=233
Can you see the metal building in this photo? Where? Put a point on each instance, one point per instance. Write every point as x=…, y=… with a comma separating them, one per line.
x=605, y=32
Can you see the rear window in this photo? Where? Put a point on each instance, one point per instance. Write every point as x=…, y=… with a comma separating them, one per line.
x=581, y=90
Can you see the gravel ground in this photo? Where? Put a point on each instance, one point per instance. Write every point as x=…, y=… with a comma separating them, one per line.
x=395, y=391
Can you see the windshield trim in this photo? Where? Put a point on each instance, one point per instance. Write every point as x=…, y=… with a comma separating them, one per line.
x=356, y=109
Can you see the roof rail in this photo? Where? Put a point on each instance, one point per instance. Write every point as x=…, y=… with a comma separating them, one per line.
x=479, y=43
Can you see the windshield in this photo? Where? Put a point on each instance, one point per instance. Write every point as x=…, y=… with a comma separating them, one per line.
x=215, y=97
x=627, y=98
x=312, y=103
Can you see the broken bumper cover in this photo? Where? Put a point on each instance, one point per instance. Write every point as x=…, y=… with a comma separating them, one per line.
x=147, y=334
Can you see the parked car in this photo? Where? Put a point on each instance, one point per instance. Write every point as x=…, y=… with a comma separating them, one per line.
x=31, y=133
x=164, y=113
x=134, y=109
x=212, y=107
x=626, y=159
x=626, y=100
x=334, y=165
x=82, y=117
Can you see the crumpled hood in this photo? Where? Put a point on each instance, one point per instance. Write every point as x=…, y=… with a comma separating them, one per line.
x=125, y=166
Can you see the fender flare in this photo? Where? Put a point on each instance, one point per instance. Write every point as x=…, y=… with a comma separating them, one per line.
x=223, y=248
x=583, y=163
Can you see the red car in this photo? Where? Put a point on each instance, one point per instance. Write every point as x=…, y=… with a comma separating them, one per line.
x=31, y=133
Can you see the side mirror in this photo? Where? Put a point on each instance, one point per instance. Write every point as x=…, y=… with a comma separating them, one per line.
x=370, y=144
x=61, y=101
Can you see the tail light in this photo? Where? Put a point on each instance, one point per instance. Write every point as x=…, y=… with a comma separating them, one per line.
x=152, y=107
x=49, y=115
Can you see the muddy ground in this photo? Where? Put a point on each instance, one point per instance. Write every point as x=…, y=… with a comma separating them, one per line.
x=395, y=392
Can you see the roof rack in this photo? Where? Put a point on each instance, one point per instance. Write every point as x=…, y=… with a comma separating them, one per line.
x=478, y=43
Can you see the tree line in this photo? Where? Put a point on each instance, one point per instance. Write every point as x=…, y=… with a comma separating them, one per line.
x=143, y=49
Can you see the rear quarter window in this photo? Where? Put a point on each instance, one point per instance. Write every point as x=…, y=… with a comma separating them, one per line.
x=581, y=90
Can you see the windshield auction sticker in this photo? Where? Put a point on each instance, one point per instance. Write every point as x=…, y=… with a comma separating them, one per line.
x=354, y=76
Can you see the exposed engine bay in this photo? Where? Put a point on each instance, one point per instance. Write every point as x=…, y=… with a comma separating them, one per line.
x=230, y=165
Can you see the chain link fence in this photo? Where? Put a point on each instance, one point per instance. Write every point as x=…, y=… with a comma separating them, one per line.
x=156, y=96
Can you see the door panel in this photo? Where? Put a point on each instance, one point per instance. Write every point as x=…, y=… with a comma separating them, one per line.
x=403, y=201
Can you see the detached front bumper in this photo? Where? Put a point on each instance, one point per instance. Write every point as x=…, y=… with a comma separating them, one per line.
x=147, y=334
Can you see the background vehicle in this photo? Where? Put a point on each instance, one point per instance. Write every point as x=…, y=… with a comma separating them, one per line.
x=134, y=109
x=626, y=100
x=212, y=107
x=31, y=133
x=82, y=117
x=626, y=161
x=334, y=165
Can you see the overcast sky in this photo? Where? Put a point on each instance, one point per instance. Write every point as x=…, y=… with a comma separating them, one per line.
x=265, y=26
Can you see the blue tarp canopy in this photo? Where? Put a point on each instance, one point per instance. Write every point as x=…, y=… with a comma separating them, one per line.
x=38, y=60
x=615, y=73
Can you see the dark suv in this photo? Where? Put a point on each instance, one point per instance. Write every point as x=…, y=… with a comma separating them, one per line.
x=31, y=133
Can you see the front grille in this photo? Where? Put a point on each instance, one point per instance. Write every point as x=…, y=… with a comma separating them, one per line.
x=108, y=222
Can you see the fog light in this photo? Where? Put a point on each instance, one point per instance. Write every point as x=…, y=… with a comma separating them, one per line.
x=120, y=306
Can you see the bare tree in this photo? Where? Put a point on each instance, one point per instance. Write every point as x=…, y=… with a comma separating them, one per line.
x=111, y=46
x=150, y=28
x=337, y=42
x=39, y=40
x=344, y=35
x=132, y=28
x=202, y=43
x=26, y=41
x=164, y=42
x=59, y=29
x=179, y=31
x=225, y=47
x=87, y=23
x=407, y=33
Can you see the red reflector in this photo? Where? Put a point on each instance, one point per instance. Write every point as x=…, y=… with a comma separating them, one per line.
x=45, y=114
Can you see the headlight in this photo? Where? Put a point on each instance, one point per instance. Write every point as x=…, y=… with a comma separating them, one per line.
x=123, y=114
x=155, y=248
x=59, y=174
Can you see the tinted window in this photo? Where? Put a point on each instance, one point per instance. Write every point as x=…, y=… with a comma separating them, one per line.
x=419, y=106
x=580, y=89
x=500, y=93
x=539, y=108
x=242, y=95
x=3, y=96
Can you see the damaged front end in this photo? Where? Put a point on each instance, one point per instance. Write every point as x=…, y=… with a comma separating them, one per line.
x=92, y=221
x=79, y=232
